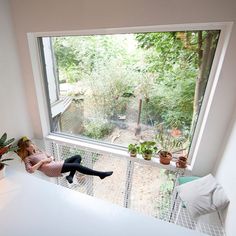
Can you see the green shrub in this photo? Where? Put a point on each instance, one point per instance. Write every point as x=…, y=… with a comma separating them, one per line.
x=97, y=129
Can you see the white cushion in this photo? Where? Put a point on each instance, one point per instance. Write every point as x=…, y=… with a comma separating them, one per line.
x=202, y=196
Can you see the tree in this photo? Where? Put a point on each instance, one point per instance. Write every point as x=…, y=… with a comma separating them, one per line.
x=79, y=57
x=206, y=50
x=180, y=62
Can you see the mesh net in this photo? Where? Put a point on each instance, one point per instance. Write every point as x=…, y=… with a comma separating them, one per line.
x=180, y=216
x=142, y=186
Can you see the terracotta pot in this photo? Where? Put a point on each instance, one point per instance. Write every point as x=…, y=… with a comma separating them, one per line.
x=165, y=157
x=182, y=162
x=2, y=171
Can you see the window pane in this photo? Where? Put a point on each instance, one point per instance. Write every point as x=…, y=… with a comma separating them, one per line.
x=123, y=88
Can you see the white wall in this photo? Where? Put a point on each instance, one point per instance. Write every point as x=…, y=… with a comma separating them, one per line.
x=226, y=175
x=14, y=117
x=59, y=15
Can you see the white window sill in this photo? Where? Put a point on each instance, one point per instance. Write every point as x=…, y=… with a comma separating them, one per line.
x=112, y=151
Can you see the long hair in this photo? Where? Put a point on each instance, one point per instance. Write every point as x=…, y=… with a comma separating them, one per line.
x=23, y=143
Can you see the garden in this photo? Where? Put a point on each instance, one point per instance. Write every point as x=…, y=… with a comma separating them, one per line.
x=124, y=86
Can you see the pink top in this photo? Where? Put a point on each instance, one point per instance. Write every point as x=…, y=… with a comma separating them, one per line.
x=52, y=169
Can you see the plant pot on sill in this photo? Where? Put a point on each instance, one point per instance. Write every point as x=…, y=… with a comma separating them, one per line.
x=147, y=156
x=133, y=154
x=133, y=149
x=2, y=171
x=182, y=162
x=165, y=157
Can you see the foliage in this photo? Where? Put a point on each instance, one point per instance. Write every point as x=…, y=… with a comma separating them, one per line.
x=133, y=148
x=106, y=95
x=167, y=53
x=97, y=129
x=104, y=66
x=175, y=68
x=84, y=55
x=147, y=147
x=168, y=70
x=5, y=147
x=114, y=70
x=169, y=140
x=176, y=59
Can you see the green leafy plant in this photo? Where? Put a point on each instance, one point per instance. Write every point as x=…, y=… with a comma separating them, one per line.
x=169, y=140
x=5, y=147
x=97, y=129
x=133, y=149
x=147, y=149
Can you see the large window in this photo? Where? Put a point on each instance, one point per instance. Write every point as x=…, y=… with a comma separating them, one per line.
x=123, y=88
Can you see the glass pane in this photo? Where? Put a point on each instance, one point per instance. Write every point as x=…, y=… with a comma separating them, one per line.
x=123, y=88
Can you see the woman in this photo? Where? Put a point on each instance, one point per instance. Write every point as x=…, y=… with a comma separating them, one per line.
x=35, y=159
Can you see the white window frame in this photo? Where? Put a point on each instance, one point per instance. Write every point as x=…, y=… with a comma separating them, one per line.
x=225, y=31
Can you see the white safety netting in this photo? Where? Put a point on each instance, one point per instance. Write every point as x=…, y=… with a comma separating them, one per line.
x=140, y=185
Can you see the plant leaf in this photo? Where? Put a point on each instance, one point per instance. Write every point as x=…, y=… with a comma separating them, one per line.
x=13, y=148
x=3, y=139
x=8, y=142
x=7, y=159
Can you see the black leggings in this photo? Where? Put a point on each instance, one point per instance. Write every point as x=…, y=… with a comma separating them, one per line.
x=72, y=165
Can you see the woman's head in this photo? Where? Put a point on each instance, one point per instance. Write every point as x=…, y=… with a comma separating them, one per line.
x=26, y=147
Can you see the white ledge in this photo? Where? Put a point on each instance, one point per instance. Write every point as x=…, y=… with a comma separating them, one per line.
x=101, y=149
x=31, y=206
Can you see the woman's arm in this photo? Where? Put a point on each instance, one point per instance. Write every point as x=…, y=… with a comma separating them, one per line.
x=36, y=166
x=46, y=153
x=47, y=160
x=50, y=157
x=32, y=168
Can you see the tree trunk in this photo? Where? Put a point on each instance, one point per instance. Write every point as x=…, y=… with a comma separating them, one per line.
x=205, y=63
x=199, y=48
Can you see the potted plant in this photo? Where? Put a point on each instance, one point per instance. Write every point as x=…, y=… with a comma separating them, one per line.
x=165, y=157
x=181, y=162
x=168, y=142
x=5, y=147
x=133, y=149
x=147, y=149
